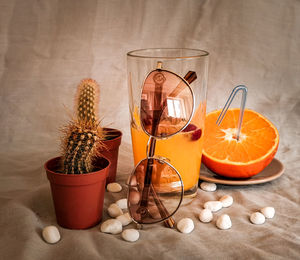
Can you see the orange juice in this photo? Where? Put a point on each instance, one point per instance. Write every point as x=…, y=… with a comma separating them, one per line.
x=183, y=150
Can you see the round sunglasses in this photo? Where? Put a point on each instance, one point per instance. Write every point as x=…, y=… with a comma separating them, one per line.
x=155, y=187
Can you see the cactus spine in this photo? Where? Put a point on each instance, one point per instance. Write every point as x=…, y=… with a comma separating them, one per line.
x=82, y=135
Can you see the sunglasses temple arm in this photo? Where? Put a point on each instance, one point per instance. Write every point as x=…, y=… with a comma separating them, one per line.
x=155, y=123
x=162, y=210
x=148, y=173
x=190, y=77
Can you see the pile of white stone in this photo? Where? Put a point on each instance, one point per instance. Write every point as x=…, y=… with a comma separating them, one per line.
x=186, y=225
x=119, y=217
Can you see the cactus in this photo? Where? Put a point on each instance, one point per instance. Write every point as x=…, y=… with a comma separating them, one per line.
x=87, y=100
x=82, y=136
x=80, y=147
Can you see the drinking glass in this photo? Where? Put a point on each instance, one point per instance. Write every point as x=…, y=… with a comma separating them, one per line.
x=183, y=150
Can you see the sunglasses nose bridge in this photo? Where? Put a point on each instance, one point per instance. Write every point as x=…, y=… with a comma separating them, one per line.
x=150, y=148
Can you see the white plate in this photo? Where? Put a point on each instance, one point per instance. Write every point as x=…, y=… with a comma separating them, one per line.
x=273, y=171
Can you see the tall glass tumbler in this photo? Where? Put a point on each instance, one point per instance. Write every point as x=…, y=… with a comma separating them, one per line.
x=183, y=150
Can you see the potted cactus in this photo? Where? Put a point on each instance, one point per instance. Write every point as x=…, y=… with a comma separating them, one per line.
x=86, y=107
x=78, y=177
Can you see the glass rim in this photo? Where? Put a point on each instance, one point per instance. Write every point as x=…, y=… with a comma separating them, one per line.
x=137, y=53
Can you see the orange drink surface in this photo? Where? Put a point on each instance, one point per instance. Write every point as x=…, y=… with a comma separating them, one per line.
x=183, y=150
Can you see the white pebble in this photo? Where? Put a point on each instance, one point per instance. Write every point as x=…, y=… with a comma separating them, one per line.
x=114, y=210
x=114, y=187
x=130, y=235
x=268, y=212
x=213, y=205
x=111, y=226
x=125, y=219
x=185, y=225
x=226, y=201
x=224, y=222
x=205, y=216
x=208, y=186
x=51, y=234
x=257, y=218
x=122, y=203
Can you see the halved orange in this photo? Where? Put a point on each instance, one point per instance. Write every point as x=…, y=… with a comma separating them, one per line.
x=226, y=156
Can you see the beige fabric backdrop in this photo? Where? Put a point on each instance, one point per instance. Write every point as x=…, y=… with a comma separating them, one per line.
x=47, y=47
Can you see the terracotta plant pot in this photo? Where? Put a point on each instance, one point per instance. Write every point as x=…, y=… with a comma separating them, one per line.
x=78, y=198
x=111, y=151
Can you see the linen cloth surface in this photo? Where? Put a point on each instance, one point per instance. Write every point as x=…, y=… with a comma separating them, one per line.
x=47, y=47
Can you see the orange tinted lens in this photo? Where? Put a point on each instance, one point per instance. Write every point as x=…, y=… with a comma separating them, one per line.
x=166, y=103
x=154, y=200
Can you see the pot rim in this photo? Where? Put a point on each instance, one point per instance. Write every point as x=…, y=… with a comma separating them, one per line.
x=114, y=142
x=118, y=132
x=74, y=179
x=72, y=175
